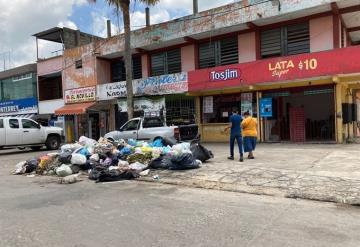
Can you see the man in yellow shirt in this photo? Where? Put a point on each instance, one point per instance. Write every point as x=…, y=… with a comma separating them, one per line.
x=249, y=131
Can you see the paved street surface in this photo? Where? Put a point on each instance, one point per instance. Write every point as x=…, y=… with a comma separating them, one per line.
x=318, y=172
x=37, y=212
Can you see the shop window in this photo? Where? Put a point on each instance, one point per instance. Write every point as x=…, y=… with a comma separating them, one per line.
x=118, y=71
x=218, y=109
x=168, y=62
x=287, y=40
x=14, y=123
x=180, y=110
x=50, y=88
x=18, y=89
x=1, y=123
x=78, y=64
x=220, y=52
x=28, y=124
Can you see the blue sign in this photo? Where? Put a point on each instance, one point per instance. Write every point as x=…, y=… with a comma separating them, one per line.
x=18, y=106
x=266, y=107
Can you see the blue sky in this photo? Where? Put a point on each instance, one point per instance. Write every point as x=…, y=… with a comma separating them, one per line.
x=20, y=19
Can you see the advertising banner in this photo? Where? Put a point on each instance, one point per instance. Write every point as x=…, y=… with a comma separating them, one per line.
x=19, y=106
x=280, y=69
x=111, y=91
x=266, y=107
x=159, y=85
x=144, y=104
x=246, y=103
x=79, y=95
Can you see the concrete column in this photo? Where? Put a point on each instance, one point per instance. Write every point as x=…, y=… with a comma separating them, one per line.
x=198, y=115
x=338, y=115
x=260, y=120
x=108, y=27
x=147, y=16
x=195, y=6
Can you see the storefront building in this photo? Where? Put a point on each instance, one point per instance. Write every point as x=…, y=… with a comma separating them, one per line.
x=161, y=96
x=18, y=92
x=300, y=98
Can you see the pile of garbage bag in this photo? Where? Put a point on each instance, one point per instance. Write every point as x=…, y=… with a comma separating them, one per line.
x=104, y=161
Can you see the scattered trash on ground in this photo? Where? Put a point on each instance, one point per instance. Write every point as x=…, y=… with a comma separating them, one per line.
x=105, y=161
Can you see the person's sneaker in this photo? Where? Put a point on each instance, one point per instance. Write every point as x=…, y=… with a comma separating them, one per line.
x=241, y=159
x=230, y=158
x=251, y=157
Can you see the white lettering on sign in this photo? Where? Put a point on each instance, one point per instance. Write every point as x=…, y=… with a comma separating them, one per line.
x=228, y=74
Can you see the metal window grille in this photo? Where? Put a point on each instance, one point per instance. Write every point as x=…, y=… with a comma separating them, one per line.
x=287, y=40
x=220, y=52
x=167, y=62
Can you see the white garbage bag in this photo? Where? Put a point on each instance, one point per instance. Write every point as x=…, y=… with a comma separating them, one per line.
x=78, y=159
x=87, y=142
x=63, y=170
x=95, y=157
x=70, y=147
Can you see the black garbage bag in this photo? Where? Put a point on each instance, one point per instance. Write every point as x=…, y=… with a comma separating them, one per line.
x=183, y=162
x=200, y=152
x=105, y=175
x=65, y=158
x=31, y=165
x=162, y=162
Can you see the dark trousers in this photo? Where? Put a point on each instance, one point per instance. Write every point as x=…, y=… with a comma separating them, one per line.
x=238, y=139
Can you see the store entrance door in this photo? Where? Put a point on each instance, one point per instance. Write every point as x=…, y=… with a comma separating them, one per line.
x=94, y=130
x=301, y=114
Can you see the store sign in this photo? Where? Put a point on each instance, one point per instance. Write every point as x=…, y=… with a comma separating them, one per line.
x=144, y=104
x=79, y=95
x=224, y=75
x=160, y=85
x=111, y=91
x=290, y=68
x=266, y=107
x=19, y=106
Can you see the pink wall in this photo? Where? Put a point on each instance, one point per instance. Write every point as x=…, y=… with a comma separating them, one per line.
x=144, y=66
x=103, y=72
x=321, y=34
x=50, y=66
x=188, y=58
x=247, y=47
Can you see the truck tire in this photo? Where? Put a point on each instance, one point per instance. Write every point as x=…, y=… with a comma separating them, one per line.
x=36, y=148
x=52, y=142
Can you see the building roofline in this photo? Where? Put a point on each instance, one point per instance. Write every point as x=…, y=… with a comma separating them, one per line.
x=28, y=68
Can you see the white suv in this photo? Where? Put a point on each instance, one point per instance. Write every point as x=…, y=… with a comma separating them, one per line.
x=25, y=132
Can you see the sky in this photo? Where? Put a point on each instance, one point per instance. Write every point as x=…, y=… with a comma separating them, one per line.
x=20, y=19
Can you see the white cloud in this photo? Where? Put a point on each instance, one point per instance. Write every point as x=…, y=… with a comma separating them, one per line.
x=68, y=24
x=19, y=19
x=99, y=25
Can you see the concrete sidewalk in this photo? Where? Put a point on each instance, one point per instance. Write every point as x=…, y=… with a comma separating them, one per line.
x=309, y=171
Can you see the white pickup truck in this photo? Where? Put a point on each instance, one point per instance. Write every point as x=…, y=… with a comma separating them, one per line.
x=148, y=129
x=24, y=132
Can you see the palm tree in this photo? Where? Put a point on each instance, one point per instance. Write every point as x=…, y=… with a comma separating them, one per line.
x=124, y=6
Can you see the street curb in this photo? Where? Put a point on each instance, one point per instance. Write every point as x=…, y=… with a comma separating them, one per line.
x=284, y=193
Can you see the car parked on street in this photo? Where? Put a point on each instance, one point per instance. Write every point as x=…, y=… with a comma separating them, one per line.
x=24, y=132
x=151, y=128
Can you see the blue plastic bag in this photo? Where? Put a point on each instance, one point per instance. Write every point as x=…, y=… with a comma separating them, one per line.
x=132, y=142
x=84, y=152
x=125, y=151
x=157, y=143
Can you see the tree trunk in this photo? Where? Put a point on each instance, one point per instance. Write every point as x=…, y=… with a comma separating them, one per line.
x=128, y=61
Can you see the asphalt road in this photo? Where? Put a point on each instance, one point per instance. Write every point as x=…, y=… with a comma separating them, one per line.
x=38, y=212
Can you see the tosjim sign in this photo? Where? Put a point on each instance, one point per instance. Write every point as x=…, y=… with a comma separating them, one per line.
x=79, y=95
x=311, y=65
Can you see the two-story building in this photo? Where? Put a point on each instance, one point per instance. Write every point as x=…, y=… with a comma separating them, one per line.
x=18, y=92
x=292, y=64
